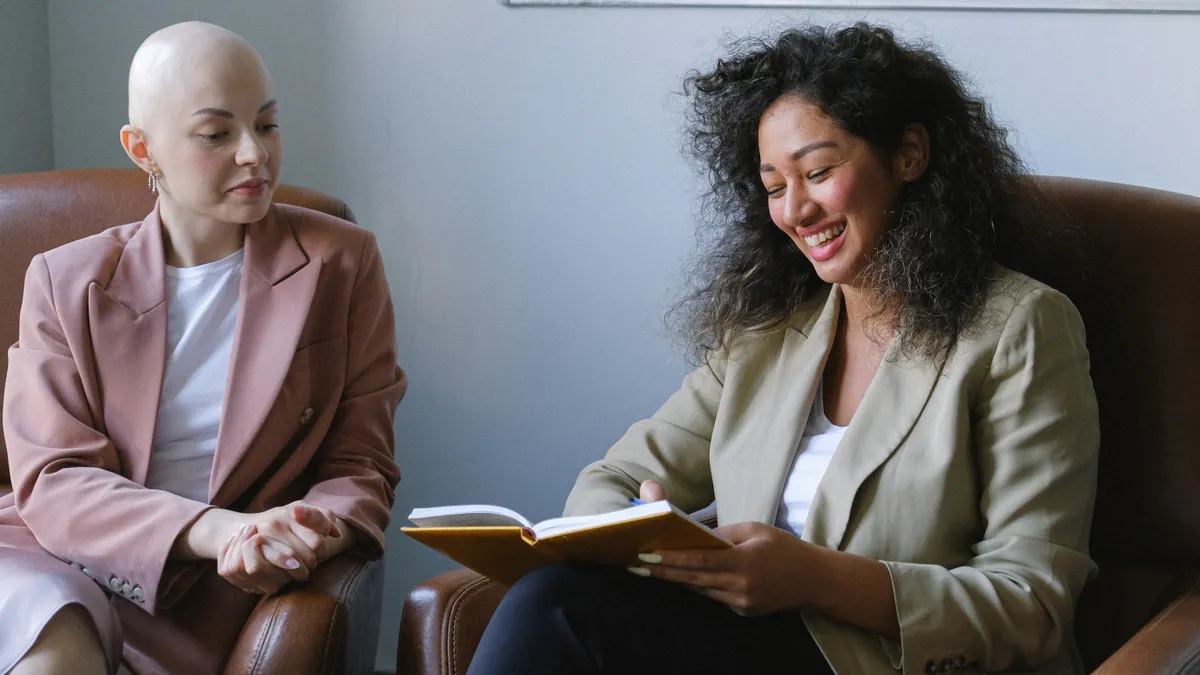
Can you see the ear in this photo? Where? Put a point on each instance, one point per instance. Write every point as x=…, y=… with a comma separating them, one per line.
x=912, y=155
x=133, y=139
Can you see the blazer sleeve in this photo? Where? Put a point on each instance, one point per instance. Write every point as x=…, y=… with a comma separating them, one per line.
x=672, y=448
x=356, y=473
x=65, y=472
x=1036, y=435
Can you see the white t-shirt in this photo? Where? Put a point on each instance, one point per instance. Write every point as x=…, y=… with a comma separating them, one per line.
x=202, y=307
x=817, y=445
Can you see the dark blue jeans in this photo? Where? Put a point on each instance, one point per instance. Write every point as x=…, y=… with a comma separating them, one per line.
x=576, y=619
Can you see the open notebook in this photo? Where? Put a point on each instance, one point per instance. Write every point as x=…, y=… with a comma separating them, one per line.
x=503, y=545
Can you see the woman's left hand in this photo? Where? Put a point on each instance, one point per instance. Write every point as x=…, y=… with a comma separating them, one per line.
x=763, y=572
x=337, y=542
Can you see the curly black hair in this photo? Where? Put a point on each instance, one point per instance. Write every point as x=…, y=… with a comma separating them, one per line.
x=972, y=207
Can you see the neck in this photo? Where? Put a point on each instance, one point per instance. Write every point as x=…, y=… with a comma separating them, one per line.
x=190, y=240
x=861, y=306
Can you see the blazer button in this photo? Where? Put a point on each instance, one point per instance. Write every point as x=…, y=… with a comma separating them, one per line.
x=138, y=594
x=114, y=583
x=127, y=590
x=86, y=572
x=306, y=416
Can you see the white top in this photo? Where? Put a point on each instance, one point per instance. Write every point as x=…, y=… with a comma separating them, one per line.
x=202, y=307
x=817, y=445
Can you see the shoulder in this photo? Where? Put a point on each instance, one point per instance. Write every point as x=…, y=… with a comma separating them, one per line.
x=1015, y=297
x=320, y=232
x=91, y=259
x=344, y=248
x=1009, y=289
x=1022, y=314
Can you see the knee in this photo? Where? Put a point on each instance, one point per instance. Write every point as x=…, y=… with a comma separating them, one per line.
x=68, y=643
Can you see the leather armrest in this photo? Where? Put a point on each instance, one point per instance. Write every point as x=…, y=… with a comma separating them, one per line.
x=1168, y=645
x=443, y=620
x=327, y=625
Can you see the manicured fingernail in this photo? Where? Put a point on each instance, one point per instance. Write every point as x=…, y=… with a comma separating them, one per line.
x=293, y=564
x=652, y=558
x=640, y=571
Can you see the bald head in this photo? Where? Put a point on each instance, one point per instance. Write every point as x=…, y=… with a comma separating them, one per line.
x=180, y=61
x=203, y=123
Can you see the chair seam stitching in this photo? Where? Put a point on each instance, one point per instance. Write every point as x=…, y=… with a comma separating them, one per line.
x=340, y=598
x=260, y=648
x=455, y=612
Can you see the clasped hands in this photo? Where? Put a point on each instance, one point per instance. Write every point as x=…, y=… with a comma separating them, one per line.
x=271, y=549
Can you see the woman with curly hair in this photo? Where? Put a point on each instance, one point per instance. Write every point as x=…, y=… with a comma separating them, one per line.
x=899, y=432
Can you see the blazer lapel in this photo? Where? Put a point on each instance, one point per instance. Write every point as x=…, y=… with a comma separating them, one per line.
x=780, y=424
x=278, y=284
x=889, y=409
x=128, y=324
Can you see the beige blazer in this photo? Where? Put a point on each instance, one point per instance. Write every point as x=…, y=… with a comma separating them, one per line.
x=308, y=414
x=973, y=481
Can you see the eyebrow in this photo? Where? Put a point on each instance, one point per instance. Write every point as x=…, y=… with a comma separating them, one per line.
x=217, y=112
x=767, y=168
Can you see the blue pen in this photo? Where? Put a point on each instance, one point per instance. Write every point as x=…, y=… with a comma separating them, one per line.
x=635, y=501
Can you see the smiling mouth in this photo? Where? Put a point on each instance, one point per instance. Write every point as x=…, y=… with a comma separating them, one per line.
x=828, y=235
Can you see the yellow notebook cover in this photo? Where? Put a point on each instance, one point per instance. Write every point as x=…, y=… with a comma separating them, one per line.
x=505, y=553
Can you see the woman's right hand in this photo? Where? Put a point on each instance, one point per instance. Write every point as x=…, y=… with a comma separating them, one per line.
x=651, y=491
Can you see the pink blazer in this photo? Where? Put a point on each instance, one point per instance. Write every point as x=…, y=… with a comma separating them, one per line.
x=308, y=414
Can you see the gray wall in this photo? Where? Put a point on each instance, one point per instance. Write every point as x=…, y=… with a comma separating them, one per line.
x=26, y=143
x=522, y=171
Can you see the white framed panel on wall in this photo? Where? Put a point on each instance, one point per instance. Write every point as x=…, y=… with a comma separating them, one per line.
x=993, y=5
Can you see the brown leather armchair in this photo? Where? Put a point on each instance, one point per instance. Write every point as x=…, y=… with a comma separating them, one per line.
x=1140, y=299
x=328, y=625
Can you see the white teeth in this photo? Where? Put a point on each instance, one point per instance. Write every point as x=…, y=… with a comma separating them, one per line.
x=822, y=237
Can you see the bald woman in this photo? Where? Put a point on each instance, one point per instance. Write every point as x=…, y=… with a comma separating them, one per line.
x=199, y=407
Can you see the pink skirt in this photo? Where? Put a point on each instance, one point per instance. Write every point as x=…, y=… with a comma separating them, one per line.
x=33, y=588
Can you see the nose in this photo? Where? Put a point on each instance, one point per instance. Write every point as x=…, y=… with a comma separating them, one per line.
x=797, y=207
x=250, y=151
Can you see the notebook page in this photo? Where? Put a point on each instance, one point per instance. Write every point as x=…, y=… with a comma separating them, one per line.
x=468, y=515
x=572, y=523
